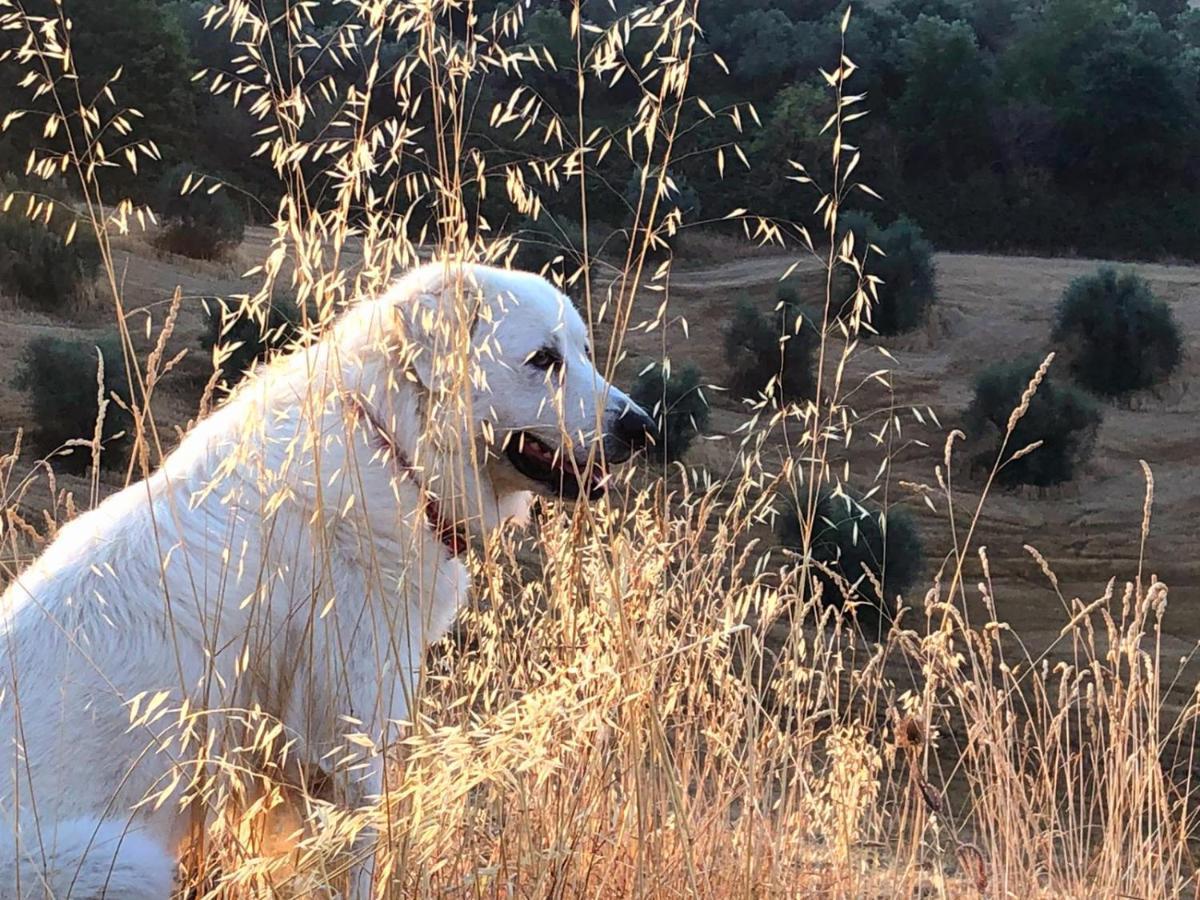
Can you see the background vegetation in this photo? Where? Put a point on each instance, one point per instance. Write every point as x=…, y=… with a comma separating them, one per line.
x=1117, y=336
x=66, y=403
x=1055, y=126
x=654, y=696
x=1054, y=437
x=677, y=404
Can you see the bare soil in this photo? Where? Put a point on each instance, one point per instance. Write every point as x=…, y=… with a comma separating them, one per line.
x=991, y=308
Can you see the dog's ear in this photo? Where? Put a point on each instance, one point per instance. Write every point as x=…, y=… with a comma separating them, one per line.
x=437, y=315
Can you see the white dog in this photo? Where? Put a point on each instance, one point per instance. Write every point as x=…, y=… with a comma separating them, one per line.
x=295, y=555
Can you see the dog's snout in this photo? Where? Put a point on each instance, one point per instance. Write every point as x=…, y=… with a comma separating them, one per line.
x=635, y=427
x=632, y=430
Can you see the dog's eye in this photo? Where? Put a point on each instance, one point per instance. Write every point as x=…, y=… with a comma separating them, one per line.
x=544, y=359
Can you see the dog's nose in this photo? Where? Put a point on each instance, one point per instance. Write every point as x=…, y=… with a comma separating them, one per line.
x=633, y=429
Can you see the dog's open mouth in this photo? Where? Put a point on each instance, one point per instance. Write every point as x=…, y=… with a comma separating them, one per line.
x=538, y=462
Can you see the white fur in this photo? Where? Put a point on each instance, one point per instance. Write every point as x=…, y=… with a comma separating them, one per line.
x=277, y=560
x=117, y=862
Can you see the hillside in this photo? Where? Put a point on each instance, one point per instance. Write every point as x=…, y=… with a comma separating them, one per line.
x=989, y=307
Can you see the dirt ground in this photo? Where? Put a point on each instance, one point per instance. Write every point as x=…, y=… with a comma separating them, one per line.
x=988, y=308
x=991, y=308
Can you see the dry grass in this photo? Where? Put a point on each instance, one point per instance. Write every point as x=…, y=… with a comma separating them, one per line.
x=642, y=700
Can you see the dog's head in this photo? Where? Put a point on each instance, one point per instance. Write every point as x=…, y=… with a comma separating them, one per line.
x=515, y=346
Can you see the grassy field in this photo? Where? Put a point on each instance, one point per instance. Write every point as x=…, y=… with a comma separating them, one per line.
x=645, y=696
x=1087, y=530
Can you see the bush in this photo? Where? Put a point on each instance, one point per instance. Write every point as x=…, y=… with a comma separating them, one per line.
x=753, y=350
x=906, y=269
x=540, y=242
x=60, y=376
x=677, y=194
x=850, y=536
x=1117, y=336
x=677, y=405
x=245, y=339
x=550, y=238
x=36, y=262
x=1061, y=417
x=196, y=224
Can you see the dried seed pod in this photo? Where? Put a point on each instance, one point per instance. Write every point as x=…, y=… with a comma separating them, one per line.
x=932, y=796
x=971, y=862
x=910, y=734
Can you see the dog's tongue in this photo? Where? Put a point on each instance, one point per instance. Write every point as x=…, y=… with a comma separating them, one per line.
x=539, y=451
x=597, y=477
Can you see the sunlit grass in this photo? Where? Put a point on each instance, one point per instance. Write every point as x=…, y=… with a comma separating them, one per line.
x=642, y=698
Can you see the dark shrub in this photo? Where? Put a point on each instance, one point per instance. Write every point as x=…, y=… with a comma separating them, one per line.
x=906, y=270
x=677, y=194
x=60, y=376
x=759, y=347
x=246, y=339
x=548, y=240
x=1117, y=336
x=677, y=404
x=558, y=241
x=850, y=536
x=863, y=225
x=36, y=262
x=1063, y=418
x=196, y=224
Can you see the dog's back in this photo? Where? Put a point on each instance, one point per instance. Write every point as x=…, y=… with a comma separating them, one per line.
x=86, y=859
x=82, y=635
x=107, y=626
x=200, y=585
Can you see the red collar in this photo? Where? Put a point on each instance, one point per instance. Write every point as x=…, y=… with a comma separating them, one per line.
x=452, y=535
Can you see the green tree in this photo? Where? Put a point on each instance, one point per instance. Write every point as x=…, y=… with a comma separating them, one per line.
x=244, y=340
x=196, y=223
x=759, y=46
x=942, y=114
x=792, y=131
x=144, y=42
x=857, y=550
x=1132, y=117
x=779, y=345
x=36, y=262
x=232, y=158
x=1062, y=418
x=60, y=376
x=1167, y=11
x=1117, y=336
x=678, y=407
x=1051, y=40
x=905, y=268
x=547, y=33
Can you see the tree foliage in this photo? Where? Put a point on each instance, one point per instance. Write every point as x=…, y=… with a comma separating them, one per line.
x=944, y=133
x=143, y=43
x=902, y=260
x=237, y=341
x=196, y=222
x=1061, y=418
x=1064, y=125
x=856, y=552
x=1117, y=336
x=677, y=404
x=777, y=345
x=40, y=267
x=60, y=376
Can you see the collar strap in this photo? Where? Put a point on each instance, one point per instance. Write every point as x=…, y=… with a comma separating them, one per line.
x=452, y=535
